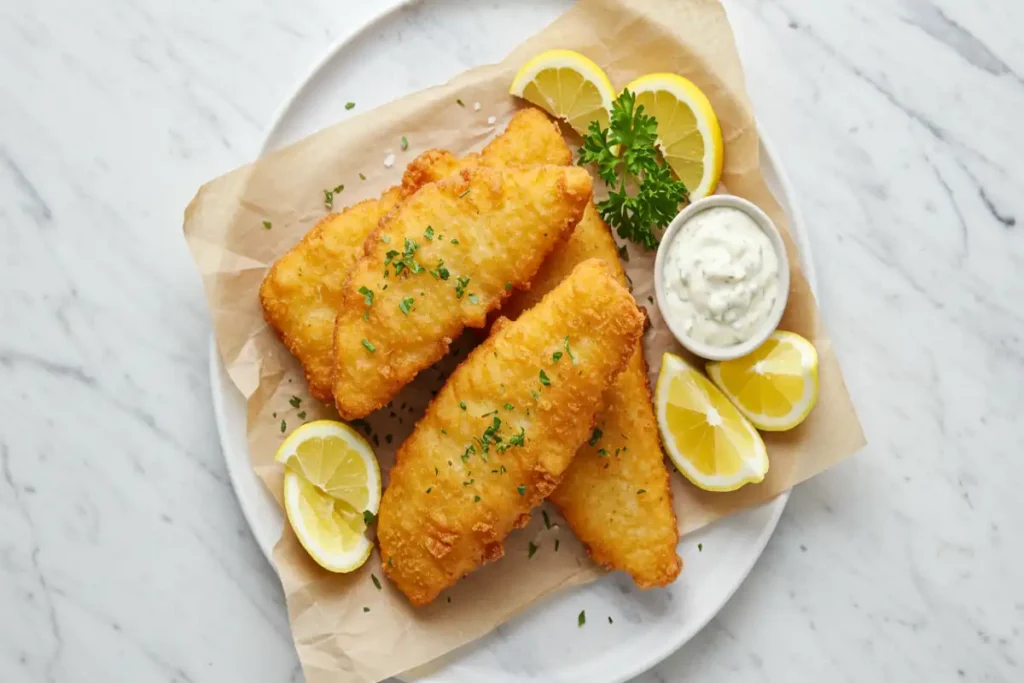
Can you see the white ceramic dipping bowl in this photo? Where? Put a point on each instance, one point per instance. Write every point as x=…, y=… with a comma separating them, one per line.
x=708, y=351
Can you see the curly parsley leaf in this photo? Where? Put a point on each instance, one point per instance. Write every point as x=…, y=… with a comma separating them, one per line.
x=626, y=156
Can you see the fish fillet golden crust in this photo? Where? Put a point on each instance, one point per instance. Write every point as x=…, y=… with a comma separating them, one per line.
x=450, y=254
x=500, y=434
x=531, y=138
x=302, y=291
x=304, y=287
x=616, y=494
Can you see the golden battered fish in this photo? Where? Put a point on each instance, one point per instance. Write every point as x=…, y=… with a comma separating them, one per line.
x=502, y=431
x=302, y=292
x=449, y=255
x=616, y=494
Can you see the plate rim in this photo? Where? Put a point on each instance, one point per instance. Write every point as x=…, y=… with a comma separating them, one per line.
x=238, y=474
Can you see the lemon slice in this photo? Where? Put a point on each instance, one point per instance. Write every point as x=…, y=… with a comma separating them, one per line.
x=331, y=478
x=776, y=385
x=568, y=86
x=689, y=136
x=709, y=441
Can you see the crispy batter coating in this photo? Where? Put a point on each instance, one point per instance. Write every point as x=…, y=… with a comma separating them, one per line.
x=500, y=434
x=303, y=288
x=449, y=255
x=302, y=291
x=600, y=495
x=531, y=138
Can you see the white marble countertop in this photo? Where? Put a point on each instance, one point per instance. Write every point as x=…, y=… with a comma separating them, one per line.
x=123, y=554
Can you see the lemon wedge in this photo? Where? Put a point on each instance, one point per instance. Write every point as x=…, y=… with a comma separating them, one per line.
x=707, y=438
x=566, y=85
x=776, y=385
x=689, y=135
x=331, y=482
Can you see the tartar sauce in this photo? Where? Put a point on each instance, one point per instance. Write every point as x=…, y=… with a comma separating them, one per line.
x=721, y=276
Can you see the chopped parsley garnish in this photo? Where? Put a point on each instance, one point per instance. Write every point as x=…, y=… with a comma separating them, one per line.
x=568, y=351
x=460, y=286
x=366, y=609
x=362, y=177
x=329, y=197
x=386, y=239
x=429, y=488
x=490, y=436
x=460, y=103
x=455, y=242
x=267, y=225
x=362, y=424
x=388, y=438
x=406, y=304
x=476, y=499
x=610, y=620
x=295, y=401
x=508, y=286
x=626, y=155
x=547, y=520
x=515, y=440
x=556, y=356
x=502, y=470
x=463, y=194
x=367, y=295
x=582, y=618
x=368, y=517
x=404, y=143
x=544, y=379
x=470, y=450
x=407, y=261
x=531, y=549
x=509, y=406
x=624, y=253
x=462, y=404
x=639, y=491
x=650, y=299
x=603, y=452
x=429, y=233
x=473, y=299
x=595, y=436
x=556, y=545
x=700, y=547
x=376, y=581
x=390, y=563
x=350, y=105
x=369, y=347
x=284, y=426
x=440, y=272
x=301, y=414
x=536, y=396
x=522, y=490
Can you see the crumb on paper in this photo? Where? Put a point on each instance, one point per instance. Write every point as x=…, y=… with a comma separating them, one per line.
x=492, y=120
x=476, y=106
x=389, y=161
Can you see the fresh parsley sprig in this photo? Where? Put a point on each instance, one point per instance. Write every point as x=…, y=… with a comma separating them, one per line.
x=625, y=155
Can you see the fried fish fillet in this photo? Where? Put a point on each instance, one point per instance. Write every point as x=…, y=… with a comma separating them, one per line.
x=303, y=289
x=449, y=255
x=502, y=431
x=302, y=292
x=616, y=494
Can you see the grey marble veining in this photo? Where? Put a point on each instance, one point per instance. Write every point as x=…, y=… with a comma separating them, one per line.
x=123, y=555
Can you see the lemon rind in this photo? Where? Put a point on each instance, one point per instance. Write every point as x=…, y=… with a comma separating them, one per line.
x=754, y=469
x=803, y=408
x=707, y=123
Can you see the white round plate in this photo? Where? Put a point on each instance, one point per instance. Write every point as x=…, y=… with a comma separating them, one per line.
x=400, y=50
